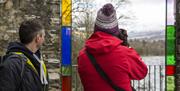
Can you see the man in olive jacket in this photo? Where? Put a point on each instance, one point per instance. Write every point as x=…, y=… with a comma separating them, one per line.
x=23, y=69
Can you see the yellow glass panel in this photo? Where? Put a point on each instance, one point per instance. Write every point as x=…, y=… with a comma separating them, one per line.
x=66, y=12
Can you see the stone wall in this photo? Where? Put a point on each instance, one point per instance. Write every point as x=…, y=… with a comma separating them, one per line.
x=13, y=12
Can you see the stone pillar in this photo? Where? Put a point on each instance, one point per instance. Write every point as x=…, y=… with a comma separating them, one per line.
x=177, y=51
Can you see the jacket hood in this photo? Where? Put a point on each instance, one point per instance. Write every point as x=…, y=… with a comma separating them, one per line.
x=101, y=42
x=19, y=47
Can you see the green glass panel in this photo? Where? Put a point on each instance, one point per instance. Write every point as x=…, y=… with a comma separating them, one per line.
x=171, y=60
x=170, y=45
x=170, y=31
x=170, y=83
x=66, y=70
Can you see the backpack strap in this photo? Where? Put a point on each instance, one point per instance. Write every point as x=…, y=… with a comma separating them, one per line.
x=25, y=60
x=102, y=73
x=28, y=62
x=22, y=59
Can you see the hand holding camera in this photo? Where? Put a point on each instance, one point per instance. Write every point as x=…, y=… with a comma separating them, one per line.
x=123, y=36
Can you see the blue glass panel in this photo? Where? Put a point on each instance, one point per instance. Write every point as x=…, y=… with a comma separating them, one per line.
x=66, y=46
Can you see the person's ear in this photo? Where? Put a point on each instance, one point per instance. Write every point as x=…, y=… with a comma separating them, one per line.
x=38, y=38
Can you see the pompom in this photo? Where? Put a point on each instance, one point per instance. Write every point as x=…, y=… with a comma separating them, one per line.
x=108, y=9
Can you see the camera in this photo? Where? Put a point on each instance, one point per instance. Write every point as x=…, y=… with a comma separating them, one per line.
x=123, y=36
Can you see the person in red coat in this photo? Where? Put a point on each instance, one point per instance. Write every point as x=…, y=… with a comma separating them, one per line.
x=120, y=62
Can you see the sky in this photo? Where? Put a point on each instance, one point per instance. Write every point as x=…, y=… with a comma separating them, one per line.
x=150, y=14
x=170, y=14
x=146, y=15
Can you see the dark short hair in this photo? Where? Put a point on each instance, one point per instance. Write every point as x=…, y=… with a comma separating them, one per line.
x=29, y=29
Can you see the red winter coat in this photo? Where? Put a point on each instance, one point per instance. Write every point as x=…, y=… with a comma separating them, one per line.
x=120, y=63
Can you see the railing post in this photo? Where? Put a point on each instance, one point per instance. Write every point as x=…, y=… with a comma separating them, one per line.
x=66, y=32
x=170, y=46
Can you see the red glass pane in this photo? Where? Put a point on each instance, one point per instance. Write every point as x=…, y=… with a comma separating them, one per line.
x=170, y=70
x=66, y=83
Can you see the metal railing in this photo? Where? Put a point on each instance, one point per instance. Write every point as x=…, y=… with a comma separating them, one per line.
x=76, y=82
x=154, y=81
